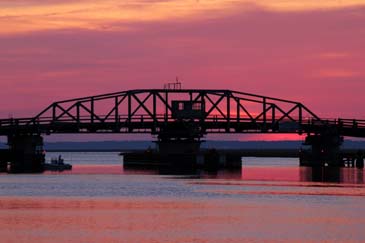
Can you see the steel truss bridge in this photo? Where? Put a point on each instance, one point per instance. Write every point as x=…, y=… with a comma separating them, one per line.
x=179, y=114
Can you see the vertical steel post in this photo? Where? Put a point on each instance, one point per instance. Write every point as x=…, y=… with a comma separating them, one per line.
x=204, y=114
x=228, y=113
x=264, y=111
x=129, y=107
x=54, y=112
x=78, y=114
x=129, y=119
x=166, y=106
x=92, y=110
x=116, y=112
x=238, y=110
x=154, y=104
x=300, y=114
x=300, y=118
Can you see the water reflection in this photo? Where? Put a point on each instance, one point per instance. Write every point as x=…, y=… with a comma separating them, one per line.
x=332, y=174
x=158, y=220
x=258, y=173
x=300, y=174
x=188, y=172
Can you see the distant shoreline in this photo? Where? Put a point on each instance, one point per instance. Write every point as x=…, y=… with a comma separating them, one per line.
x=281, y=153
x=118, y=146
x=284, y=153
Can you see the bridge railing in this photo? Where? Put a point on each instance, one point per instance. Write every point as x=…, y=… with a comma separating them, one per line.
x=354, y=123
x=141, y=118
x=339, y=123
x=211, y=124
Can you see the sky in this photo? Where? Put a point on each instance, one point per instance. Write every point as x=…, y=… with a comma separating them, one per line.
x=310, y=51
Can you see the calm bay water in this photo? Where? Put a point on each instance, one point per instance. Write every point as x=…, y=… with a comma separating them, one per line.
x=269, y=200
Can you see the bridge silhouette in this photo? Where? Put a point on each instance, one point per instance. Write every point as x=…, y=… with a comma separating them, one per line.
x=180, y=118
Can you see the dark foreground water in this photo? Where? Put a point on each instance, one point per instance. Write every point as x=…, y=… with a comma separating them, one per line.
x=269, y=200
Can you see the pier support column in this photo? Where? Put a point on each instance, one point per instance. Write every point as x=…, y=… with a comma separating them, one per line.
x=359, y=160
x=325, y=150
x=27, y=154
x=4, y=158
x=179, y=152
x=178, y=146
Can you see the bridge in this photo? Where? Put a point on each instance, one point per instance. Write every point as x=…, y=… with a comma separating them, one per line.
x=179, y=118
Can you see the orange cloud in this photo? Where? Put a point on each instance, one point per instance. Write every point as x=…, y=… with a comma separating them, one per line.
x=334, y=55
x=97, y=14
x=27, y=16
x=337, y=73
x=300, y=5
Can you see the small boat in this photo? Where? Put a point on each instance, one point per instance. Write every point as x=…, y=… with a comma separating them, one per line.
x=57, y=164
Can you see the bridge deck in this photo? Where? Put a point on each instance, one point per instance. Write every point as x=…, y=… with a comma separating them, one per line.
x=144, y=124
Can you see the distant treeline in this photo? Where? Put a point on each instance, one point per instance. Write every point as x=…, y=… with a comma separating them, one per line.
x=130, y=145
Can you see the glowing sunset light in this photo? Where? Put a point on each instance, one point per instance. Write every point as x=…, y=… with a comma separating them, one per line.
x=98, y=15
x=299, y=5
x=107, y=15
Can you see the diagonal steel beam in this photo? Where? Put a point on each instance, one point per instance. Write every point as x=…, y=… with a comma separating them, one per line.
x=238, y=100
x=142, y=104
x=310, y=112
x=164, y=102
x=39, y=114
x=115, y=107
x=91, y=113
x=215, y=105
x=263, y=112
x=65, y=111
x=286, y=114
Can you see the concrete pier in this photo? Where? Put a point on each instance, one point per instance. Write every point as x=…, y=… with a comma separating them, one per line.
x=204, y=159
x=5, y=157
x=25, y=154
x=231, y=158
x=324, y=151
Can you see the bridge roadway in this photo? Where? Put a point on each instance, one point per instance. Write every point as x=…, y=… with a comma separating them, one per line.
x=144, y=124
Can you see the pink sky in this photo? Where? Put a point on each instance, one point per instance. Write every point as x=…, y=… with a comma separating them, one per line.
x=309, y=51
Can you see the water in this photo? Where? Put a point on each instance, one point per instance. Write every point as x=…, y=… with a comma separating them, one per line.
x=269, y=200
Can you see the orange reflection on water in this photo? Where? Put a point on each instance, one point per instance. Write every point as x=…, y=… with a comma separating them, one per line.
x=271, y=173
x=87, y=220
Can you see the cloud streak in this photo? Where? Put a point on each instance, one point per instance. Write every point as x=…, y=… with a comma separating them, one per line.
x=28, y=16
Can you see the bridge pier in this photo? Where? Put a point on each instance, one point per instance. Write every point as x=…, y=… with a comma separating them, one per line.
x=178, y=152
x=325, y=150
x=178, y=147
x=182, y=155
x=4, y=158
x=25, y=154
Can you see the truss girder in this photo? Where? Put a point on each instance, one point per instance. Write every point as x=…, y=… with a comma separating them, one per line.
x=150, y=111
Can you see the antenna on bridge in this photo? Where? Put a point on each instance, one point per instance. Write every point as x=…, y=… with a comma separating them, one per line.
x=173, y=86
